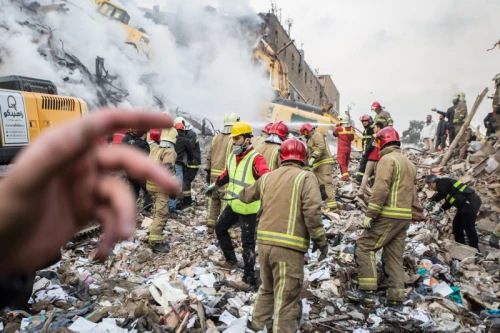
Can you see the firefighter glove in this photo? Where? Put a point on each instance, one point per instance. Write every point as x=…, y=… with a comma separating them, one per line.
x=367, y=224
x=209, y=190
x=208, y=176
x=323, y=252
x=310, y=163
x=430, y=205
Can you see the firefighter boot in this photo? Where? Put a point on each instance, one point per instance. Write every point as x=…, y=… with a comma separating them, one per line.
x=362, y=296
x=226, y=264
x=160, y=247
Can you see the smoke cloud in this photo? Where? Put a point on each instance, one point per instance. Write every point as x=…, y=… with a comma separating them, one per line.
x=201, y=63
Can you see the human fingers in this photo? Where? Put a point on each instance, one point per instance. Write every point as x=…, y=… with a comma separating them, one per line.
x=137, y=166
x=58, y=147
x=116, y=212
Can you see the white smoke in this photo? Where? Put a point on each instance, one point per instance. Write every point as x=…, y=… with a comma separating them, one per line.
x=203, y=67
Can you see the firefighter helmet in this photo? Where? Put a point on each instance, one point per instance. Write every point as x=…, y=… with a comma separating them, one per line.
x=169, y=134
x=267, y=128
x=180, y=123
x=241, y=128
x=366, y=117
x=387, y=135
x=231, y=118
x=293, y=150
x=344, y=119
x=306, y=128
x=155, y=135
x=280, y=129
x=376, y=106
x=461, y=96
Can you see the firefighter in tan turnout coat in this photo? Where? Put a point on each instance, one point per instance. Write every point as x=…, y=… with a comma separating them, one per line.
x=387, y=219
x=291, y=216
x=218, y=153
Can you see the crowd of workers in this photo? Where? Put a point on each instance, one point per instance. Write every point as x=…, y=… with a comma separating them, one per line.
x=276, y=188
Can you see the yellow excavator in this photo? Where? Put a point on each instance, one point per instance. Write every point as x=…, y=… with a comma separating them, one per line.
x=135, y=37
x=282, y=108
x=29, y=106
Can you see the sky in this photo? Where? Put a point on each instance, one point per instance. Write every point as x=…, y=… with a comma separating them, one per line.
x=409, y=56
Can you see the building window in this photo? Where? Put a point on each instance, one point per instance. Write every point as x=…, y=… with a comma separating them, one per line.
x=305, y=77
x=293, y=62
x=284, y=51
x=276, y=37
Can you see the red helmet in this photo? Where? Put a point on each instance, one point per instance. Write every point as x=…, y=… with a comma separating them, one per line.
x=376, y=106
x=366, y=117
x=180, y=126
x=306, y=128
x=386, y=135
x=155, y=134
x=280, y=129
x=267, y=128
x=293, y=150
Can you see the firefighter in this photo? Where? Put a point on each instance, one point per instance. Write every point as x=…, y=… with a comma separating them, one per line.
x=270, y=148
x=244, y=167
x=490, y=124
x=284, y=238
x=367, y=122
x=496, y=105
x=216, y=163
x=467, y=202
x=460, y=116
x=154, y=138
x=450, y=116
x=137, y=138
x=321, y=163
x=388, y=217
x=192, y=168
x=345, y=134
x=165, y=155
x=382, y=116
x=373, y=157
x=263, y=136
x=185, y=156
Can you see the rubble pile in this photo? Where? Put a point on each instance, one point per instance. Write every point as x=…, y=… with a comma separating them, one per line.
x=449, y=287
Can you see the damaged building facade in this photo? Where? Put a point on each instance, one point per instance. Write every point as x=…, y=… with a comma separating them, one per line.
x=306, y=86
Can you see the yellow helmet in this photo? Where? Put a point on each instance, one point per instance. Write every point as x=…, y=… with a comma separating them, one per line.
x=231, y=118
x=461, y=95
x=169, y=134
x=241, y=128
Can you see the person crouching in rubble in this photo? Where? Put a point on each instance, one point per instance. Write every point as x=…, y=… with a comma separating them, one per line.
x=467, y=202
x=244, y=167
x=372, y=151
x=283, y=238
x=165, y=155
x=388, y=217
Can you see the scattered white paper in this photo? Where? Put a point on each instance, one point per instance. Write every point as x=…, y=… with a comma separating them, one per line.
x=442, y=288
x=163, y=292
x=208, y=280
x=82, y=325
x=227, y=318
x=321, y=274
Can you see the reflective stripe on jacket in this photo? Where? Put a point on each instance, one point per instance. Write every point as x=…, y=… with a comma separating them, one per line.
x=368, y=134
x=270, y=152
x=453, y=191
x=218, y=153
x=394, y=186
x=240, y=176
x=291, y=209
x=385, y=118
x=460, y=113
x=318, y=148
x=163, y=156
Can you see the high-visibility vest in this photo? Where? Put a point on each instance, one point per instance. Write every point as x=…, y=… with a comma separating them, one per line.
x=460, y=187
x=240, y=176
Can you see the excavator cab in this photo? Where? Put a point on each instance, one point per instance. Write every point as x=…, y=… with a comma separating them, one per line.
x=114, y=12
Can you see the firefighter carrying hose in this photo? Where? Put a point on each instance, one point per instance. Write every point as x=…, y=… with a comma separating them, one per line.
x=320, y=162
x=217, y=156
x=163, y=154
x=467, y=202
x=367, y=122
x=382, y=116
x=263, y=136
x=284, y=238
x=270, y=148
x=388, y=217
x=244, y=167
x=345, y=134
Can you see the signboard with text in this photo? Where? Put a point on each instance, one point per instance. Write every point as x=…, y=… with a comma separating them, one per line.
x=15, y=130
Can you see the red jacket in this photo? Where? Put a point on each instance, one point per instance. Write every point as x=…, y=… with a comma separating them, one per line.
x=259, y=168
x=118, y=136
x=345, y=135
x=373, y=156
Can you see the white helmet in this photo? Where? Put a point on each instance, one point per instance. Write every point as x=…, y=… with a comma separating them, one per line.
x=344, y=119
x=231, y=118
x=169, y=134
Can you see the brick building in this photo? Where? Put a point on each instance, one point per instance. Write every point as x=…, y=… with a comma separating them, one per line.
x=306, y=86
